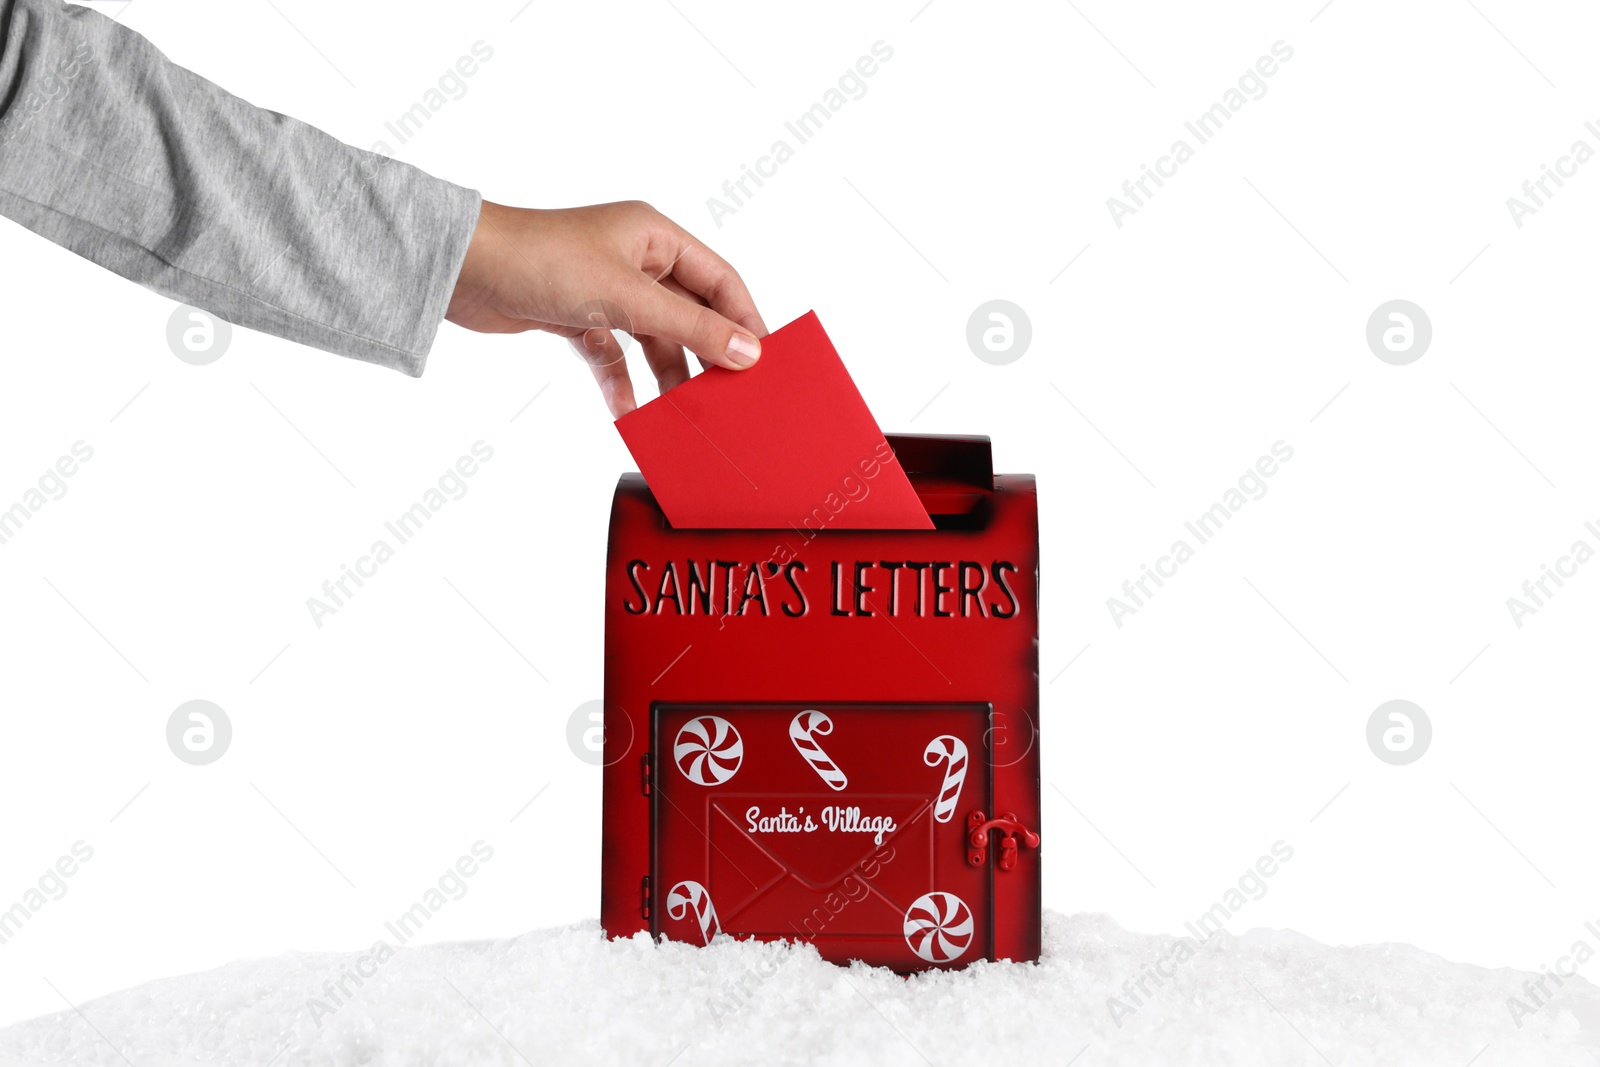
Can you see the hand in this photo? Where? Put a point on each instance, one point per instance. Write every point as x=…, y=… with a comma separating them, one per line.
x=582, y=272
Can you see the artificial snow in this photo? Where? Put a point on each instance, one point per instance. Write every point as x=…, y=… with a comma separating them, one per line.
x=569, y=996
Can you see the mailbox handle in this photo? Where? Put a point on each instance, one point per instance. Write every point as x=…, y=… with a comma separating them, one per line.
x=1012, y=833
x=1007, y=825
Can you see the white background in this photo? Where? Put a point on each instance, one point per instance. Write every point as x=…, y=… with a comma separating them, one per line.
x=1222, y=317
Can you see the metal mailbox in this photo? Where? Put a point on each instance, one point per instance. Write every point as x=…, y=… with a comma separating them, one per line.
x=830, y=735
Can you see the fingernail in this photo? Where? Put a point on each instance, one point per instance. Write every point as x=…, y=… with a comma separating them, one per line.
x=743, y=350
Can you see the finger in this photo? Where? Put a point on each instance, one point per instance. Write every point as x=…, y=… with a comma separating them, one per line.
x=677, y=287
x=711, y=276
x=666, y=362
x=673, y=284
x=659, y=312
x=604, y=355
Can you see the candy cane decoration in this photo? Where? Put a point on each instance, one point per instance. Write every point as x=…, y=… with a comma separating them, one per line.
x=803, y=729
x=951, y=751
x=686, y=895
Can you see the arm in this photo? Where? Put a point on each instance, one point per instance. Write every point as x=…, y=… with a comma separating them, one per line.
x=149, y=170
x=110, y=150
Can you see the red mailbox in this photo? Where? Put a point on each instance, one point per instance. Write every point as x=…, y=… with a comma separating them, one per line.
x=826, y=734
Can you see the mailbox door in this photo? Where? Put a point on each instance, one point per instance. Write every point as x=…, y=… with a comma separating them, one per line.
x=846, y=826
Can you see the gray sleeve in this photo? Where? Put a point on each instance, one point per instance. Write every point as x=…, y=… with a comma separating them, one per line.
x=149, y=170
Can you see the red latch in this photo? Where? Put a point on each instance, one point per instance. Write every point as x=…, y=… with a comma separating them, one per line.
x=1011, y=832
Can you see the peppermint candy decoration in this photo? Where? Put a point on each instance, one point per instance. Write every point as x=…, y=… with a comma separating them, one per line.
x=939, y=927
x=952, y=752
x=803, y=729
x=686, y=895
x=708, y=750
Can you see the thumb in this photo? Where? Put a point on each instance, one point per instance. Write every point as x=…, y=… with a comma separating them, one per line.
x=658, y=312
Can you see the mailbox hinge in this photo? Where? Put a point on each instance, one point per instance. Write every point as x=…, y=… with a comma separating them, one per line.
x=644, y=896
x=644, y=773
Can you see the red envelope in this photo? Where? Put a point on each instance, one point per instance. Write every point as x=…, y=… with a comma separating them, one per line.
x=788, y=443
